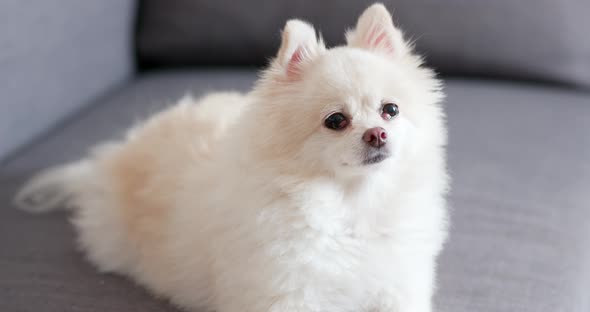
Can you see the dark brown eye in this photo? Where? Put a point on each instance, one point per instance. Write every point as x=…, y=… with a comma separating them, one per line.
x=336, y=121
x=390, y=110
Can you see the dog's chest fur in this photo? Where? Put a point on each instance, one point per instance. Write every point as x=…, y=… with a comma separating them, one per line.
x=346, y=239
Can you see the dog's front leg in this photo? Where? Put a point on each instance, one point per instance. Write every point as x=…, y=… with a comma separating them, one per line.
x=391, y=303
x=412, y=293
x=247, y=301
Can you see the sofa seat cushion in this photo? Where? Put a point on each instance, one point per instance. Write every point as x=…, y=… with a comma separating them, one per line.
x=520, y=236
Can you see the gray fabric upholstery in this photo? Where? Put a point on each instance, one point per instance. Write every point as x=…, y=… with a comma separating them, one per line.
x=56, y=56
x=520, y=162
x=110, y=116
x=534, y=39
x=520, y=227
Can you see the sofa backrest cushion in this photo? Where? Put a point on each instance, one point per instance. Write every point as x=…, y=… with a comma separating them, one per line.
x=544, y=40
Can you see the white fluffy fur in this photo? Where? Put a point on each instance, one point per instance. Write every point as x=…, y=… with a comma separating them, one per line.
x=247, y=203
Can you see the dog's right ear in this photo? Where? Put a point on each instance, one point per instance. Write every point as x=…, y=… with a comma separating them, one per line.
x=375, y=32
x=298, y=47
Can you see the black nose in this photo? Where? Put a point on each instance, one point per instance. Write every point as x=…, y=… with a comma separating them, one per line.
x=375, y=137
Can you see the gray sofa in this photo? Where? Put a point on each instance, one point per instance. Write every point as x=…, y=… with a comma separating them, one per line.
x=517, y=77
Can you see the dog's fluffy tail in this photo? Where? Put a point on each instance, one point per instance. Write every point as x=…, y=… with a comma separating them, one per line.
x=53, y=188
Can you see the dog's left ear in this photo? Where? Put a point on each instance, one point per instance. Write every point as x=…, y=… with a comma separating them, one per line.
x=298, y=47
x=375, y=32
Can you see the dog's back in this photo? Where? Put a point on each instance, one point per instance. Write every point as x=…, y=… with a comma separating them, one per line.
x=122, y=193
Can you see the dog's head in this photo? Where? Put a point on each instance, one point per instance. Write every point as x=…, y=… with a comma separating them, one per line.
x=352, y=108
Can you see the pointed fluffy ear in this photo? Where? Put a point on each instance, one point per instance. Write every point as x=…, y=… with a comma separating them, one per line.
x=375, y=32
x=299, y=45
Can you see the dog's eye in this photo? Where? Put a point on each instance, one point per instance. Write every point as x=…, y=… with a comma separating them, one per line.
x=390, y=110
x=336, y=121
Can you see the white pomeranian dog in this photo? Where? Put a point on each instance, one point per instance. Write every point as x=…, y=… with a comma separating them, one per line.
x=323, y=189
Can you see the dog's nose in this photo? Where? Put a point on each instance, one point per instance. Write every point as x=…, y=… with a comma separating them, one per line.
x=375, y=137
